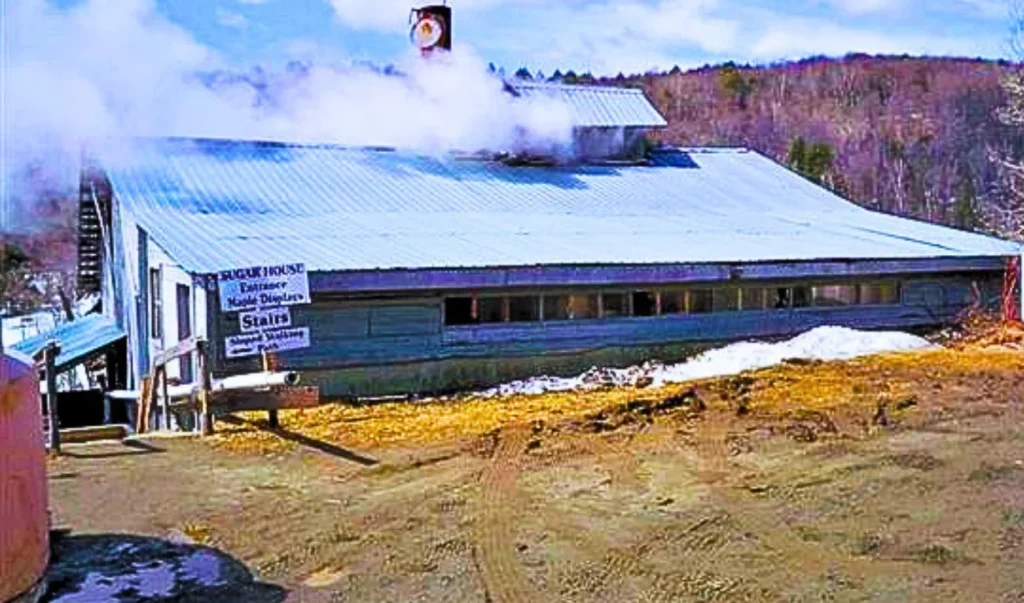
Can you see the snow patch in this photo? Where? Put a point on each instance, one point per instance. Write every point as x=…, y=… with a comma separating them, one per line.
x=823, y=343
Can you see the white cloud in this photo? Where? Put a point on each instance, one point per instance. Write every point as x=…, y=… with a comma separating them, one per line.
x=393, y=15
x=864, y=7
x=231, y=19
x=636, y=36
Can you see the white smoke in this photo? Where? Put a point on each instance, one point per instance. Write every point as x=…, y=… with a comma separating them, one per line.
x=114, y=69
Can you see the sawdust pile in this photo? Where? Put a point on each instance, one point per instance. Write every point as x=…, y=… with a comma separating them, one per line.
x=854, y=388
x=985, y=330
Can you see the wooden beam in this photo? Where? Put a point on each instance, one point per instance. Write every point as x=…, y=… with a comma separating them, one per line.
x=180, y=349
x=205, y=385
x=661, y=274
x=284, y=398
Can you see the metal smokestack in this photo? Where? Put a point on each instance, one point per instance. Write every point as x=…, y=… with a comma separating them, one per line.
x=431, y=28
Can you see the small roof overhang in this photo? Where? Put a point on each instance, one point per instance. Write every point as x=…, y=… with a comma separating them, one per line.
x=79, y=340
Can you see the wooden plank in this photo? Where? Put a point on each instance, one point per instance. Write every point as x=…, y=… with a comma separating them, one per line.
x=180, y=349
x=142, y=407
x=285, y=398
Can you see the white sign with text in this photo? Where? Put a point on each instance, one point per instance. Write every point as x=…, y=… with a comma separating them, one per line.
x=254, y=344
x=263, y=287
x=255, y=321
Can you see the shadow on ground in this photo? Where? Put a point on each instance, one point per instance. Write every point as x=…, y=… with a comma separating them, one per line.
x=128, y=569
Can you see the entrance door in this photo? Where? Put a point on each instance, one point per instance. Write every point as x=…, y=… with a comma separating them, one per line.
x=185, y=329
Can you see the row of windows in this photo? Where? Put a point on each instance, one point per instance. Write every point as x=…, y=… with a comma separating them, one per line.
x=491, y=309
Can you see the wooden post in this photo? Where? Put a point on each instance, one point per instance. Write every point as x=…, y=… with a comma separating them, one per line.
x=166, y=410
x=269, y=364
x=50, y=361
x=142, y=407
x=205, y=385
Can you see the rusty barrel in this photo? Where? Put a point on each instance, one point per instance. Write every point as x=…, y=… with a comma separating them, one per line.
x=24, y=520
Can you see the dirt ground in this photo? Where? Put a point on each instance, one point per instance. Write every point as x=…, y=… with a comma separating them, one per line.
x=895, y=478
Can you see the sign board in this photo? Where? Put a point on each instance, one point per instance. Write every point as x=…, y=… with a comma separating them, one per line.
x=255, y=321
x=263, y=287
x=253, y=344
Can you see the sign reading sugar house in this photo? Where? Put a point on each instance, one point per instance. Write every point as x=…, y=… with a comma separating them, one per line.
x=263, y=287
x=252, y=344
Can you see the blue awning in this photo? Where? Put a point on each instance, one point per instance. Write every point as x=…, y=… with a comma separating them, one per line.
x=78, y=340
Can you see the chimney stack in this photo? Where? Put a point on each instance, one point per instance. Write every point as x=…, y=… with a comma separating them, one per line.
x=432, y=28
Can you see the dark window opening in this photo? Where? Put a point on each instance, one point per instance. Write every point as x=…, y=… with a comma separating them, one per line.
x=570, y=307
x=491, y=309
x=645, y=304
x=459, y=311
x=673, y=302
x=781, y=298
x=802, y=297
x=156, y=304
x=880, y=294
x=524, y=308
x=615, y=304
x=835, y=296
x=184, y=293
x=702, y=301
x=726, y=300
x=754, y=299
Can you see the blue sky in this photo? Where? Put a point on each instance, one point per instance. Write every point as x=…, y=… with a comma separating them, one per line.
x=605, y=36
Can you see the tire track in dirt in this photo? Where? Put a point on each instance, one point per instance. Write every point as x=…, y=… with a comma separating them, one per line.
x=503, y=576
x=714, y=469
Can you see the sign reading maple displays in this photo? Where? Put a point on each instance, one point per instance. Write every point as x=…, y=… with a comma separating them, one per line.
x=252, y=344
x=263, y=287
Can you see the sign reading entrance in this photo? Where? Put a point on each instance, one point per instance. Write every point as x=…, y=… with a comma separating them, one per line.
x=256, y=321
x=263, y=287
x=253, y=344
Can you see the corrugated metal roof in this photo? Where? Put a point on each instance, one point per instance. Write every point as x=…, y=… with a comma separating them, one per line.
x=214, y=205
x=78, y=339
x=598, y=106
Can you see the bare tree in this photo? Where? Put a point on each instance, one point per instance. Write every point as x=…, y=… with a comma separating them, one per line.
x=1004, y=214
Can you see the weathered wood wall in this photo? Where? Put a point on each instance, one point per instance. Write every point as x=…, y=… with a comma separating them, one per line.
x=400, y=345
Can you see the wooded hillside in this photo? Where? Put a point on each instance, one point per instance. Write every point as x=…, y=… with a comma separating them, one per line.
x=918, y=137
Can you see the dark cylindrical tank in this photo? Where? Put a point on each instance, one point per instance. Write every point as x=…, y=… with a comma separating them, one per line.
x=24, y=520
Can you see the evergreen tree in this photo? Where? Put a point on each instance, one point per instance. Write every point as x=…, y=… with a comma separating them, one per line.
x=523, y=74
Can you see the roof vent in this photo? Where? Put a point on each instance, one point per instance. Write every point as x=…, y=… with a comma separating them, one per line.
x=431, y=28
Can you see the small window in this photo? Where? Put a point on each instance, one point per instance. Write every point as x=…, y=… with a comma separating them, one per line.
x=615, y=304
x=459, y=311
x=780, y=298
x=880, y=294
x=702, y=301
x=802, y=297
x=835, y=296
x=754, y=299
x=726, y=300
x=156, y=304
x=570, y=307
x=673, y=302
x=525, y=308
x=645, y=303
x=491, y=309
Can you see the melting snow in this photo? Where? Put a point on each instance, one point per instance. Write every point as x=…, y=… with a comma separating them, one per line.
x=823, y=343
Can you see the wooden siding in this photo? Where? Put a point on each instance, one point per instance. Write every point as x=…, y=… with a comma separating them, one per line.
x=379, y=281
x=404, y=346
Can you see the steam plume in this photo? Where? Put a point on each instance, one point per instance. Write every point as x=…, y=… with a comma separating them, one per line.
x=114, y=69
